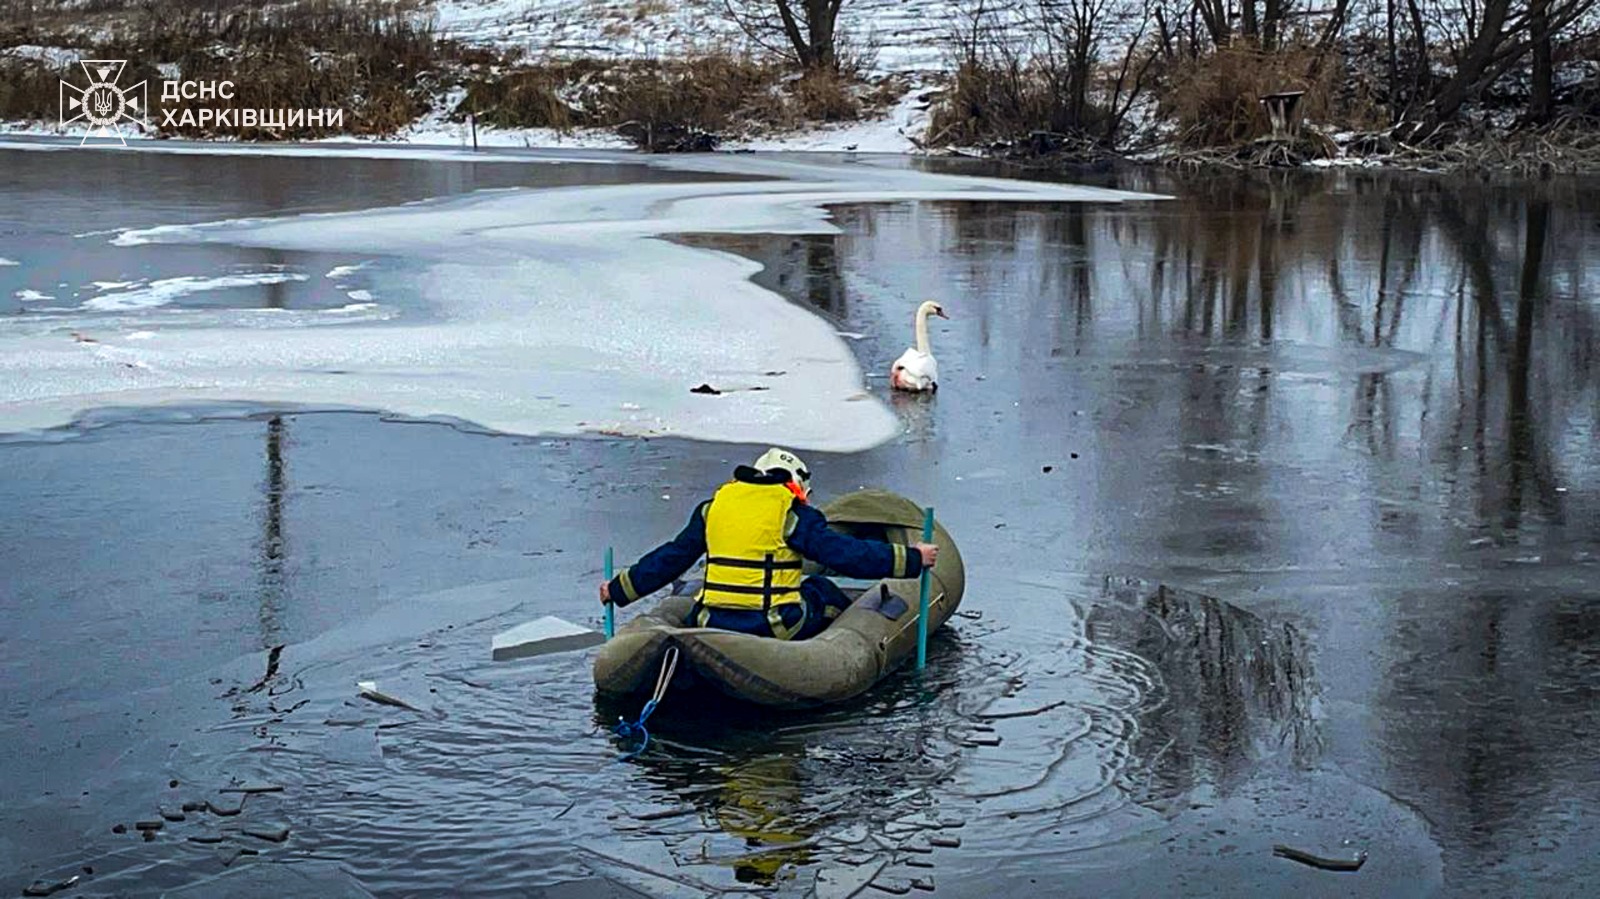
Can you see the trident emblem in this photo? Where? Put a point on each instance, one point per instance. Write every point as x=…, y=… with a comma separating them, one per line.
x=103, y=105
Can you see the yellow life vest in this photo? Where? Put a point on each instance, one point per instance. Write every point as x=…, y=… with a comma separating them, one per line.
x=748, y=564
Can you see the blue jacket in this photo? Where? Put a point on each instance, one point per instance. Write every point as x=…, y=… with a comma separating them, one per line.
x=806, y=532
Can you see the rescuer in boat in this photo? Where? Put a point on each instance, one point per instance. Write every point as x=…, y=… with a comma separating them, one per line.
x=754, y=532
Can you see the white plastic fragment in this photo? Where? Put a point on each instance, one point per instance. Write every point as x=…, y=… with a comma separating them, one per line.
x=369, y=690
x=542, y=637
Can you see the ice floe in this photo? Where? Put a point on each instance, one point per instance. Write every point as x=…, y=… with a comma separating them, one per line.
x=551, y=309
x=165, y=290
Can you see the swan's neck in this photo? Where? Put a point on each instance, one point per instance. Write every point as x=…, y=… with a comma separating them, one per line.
x=922, y=332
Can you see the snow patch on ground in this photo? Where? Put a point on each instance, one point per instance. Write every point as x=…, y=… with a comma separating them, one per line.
x=897, y=132
x=594, y=28
x=435, y=138
x=552, y=309
x=451, y=134
x=436, y=129
x=1346, y=162
x=55, y=57
x=901, y=35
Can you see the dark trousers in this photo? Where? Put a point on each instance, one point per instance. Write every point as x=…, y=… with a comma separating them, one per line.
x=821, y=602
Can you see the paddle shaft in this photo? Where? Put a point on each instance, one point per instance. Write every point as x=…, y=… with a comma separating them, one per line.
x=922, y=602
x=611, y=610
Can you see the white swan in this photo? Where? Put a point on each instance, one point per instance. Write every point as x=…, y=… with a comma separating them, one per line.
x=916, y=369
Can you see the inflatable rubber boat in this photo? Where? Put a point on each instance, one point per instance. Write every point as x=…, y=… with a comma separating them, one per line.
x=867, y=641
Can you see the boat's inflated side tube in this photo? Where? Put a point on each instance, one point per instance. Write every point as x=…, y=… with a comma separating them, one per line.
x=870, y=639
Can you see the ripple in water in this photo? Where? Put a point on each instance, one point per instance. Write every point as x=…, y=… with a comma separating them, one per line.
x=1024, y=746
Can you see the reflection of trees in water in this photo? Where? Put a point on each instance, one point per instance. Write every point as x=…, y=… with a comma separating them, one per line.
x=1468, y=274
x=1490, y=727
x=803, y=268
x=270, y=591
x=1237, y=688
x=1484, y=726
x=1520, y=377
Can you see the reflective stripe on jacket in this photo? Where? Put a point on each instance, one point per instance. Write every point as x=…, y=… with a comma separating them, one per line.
x=749, y=564
x=808, y=534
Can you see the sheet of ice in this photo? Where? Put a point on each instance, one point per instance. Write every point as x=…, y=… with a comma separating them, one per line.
x=165, y=290
x=362, y=297
x=340, y=272
x=29, y=295
x=5, y=262
x=49, y=138
x=553, y=309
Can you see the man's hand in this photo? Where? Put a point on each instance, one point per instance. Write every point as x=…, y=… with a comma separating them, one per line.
x=605, y=594
x=929, y=553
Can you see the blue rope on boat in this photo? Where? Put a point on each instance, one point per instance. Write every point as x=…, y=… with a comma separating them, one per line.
x=636, y=729
x=625, y=730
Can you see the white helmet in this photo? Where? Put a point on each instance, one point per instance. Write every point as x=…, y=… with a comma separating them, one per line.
x=776, y=458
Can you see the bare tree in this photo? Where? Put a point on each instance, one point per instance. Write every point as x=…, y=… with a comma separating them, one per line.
x=804, y=31
x=1501, y=34
x=1125, y=90
x=1541, y=99
x=1072, y=32
x=1218, y=19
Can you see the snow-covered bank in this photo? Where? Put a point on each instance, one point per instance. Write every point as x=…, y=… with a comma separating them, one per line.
x=898, y=36
x=900, y=130
x=558, y=311
x=435, y=137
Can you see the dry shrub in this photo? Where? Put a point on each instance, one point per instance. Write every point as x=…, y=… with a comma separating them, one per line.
x=825, y=96
x=989, y=101
x=661, y=104
x=1216, y=99
x=1005, y=101
x=677, y=104
x=684, y=98
x=383, y=67
x=526, y=98
x=29, y=89
x=704, y=93
x=365, y=57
